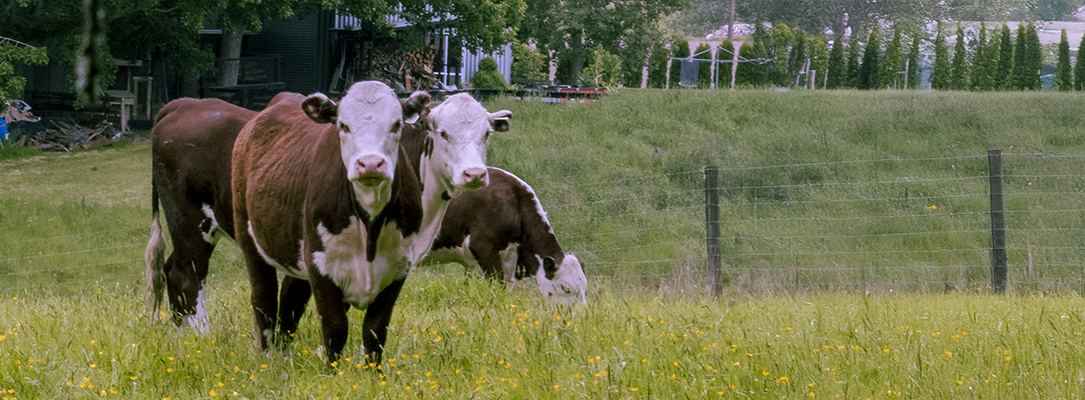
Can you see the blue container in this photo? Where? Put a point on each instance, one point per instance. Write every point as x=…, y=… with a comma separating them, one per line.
x=3, y=129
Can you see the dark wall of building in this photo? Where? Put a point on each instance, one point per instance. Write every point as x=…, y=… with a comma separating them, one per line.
x=303, y=46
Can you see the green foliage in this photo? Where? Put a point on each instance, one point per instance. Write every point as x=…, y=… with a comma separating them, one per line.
x=869, y=71
x=941, y=77
x=838, y=66
x=1027, y=59
x=657, y=65
x=798, y=56
x=1064, y=74
x=894, y=61
x=726, y=51
x=959, y=68
x=985, y=61
x=778, y=49
x=913, y=62
x=1079, y=67
x=12, y=51
x=750, y=73
x=488, y=77
x=852, y=78
x=679, y=49
x=528, y=63
x=604, y=71
x=1005, y=58
x=819, y=59
x=704, y=69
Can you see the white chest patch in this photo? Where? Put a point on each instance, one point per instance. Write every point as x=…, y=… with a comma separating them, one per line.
x=214, y=232
x=344, y=260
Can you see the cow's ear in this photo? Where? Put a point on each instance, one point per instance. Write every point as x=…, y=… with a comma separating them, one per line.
x=550, y=267
x=415, y=107
x=320, y=108
x=499, y=121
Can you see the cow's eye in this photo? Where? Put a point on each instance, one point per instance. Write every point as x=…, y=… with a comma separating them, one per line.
x=444, y=135
x=343, y=127
x=396, y=126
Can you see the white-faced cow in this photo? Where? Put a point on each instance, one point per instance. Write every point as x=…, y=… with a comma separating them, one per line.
x=190, y=174
x=503, y=228
x=351, y=228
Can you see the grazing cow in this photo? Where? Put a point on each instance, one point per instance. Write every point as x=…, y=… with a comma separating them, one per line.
x=352, y=229
x=193, y=142
x=504, y=229
x=190, y=174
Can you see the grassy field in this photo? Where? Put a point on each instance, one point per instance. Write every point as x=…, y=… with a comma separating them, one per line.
x=827, y=196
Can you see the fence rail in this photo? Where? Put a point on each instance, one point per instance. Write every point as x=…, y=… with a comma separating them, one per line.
x=921, y=224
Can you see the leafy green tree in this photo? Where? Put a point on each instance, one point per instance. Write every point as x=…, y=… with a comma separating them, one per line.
x=778, y=48
x=704, y=70
x=869, y=71
x=798, y=56
x=1005, y=58
x=679, y=49
x=571, y=28
x=838, y=66
x=959, y=68
x=528, y=63
x=749, y=73
x=913, y=63
x=894, y=61
x=605, y=69
x=1079, y=67
x=982, y=62
x=852, y=78
x=13, y=51
x=1064, y=75
x=723, y=70
x=657, y=65
x=1019, y=76
x=819, y=59
x=941, y=78
x=488, y=77
x=1035, y=58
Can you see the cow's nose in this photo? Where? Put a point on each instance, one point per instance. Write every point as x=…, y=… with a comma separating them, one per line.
x=475, y=177
x=372, y=165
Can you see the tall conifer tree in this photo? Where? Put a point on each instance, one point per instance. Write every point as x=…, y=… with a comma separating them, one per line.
x=1064, y=74
x=959, y=74
x=1079, y=68
x=870, y=69
x=894, y=61
x=940, y=77
x=852, y=80
x=913, y=62
x=838, y=66
x=1005, y=58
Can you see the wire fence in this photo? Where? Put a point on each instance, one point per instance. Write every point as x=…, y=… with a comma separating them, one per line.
x=880, y=225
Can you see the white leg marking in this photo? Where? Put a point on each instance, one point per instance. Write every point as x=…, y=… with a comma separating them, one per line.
x=201, y=322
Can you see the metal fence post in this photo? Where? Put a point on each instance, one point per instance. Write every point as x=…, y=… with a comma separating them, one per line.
x=712, y=228
x=998, y=223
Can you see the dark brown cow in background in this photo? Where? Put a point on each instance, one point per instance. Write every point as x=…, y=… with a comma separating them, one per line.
x=503, y=228
x=190, y=153
x=193, y=142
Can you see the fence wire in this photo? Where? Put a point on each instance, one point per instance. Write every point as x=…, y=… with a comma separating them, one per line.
x=864, y=225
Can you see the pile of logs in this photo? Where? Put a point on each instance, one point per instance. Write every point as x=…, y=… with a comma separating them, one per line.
x=404, y=70
x=66, y=136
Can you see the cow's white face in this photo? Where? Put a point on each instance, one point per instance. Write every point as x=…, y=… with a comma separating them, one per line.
x=460, y=130
x=562, y=283
x=370, y=120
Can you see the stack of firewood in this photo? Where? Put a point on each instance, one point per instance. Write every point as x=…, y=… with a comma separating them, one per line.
x=406, y=70
x=66, y=136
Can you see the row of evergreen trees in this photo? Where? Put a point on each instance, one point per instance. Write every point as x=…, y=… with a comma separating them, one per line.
x=995, y=59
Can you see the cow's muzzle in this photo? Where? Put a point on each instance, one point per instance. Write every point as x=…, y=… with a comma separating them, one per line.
x=475, y=178
x=372, y=170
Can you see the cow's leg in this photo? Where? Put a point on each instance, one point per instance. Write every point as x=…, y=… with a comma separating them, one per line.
x=265, y=286
x=333, y=314
x=293, y=297
x=489, y=259
x=377, y=317
x=187, y=266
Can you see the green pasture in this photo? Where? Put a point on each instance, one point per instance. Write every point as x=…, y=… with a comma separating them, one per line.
x=856, y=253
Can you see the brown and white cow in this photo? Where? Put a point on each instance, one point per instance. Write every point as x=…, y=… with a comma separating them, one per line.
x=190, y=175
x=352, y=228
x=503, y=228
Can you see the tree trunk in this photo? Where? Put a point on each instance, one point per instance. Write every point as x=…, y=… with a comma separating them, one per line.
x=230, y=54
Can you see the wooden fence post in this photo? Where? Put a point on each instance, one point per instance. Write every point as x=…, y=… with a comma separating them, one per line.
x=712, y=228
x=998, y=223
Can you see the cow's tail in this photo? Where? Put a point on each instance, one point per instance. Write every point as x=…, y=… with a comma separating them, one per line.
x=156, y=251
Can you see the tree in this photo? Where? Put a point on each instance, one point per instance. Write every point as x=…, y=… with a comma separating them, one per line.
x=657, y=65
x=983, y=64
x=726, y=51
x=871, y=67
x=704, y=69
x=1005, y=58
x=798, y=56
x=1035, y=58
x=1064, y=78
x=838, y=67
x=528, y=63
x=851, y=80
x=913, y=63
x=679, y=49
x=959, y=68
x=778, y=49
x=749, y=73
x=1079, y=68
x=894, y=61
x=569, y=28
x=605, y=69
x=12, y=51
x=819, y=60
x=941, y=76
x=488, y=77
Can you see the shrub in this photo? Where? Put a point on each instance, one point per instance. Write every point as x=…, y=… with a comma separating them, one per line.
x=487, y=76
